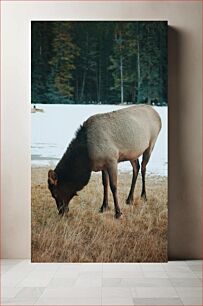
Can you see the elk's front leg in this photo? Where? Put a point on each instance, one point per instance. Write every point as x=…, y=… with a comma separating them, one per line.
x=105, y=182
x=112, y=171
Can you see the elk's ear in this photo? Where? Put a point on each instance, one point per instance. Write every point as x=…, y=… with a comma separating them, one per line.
x=52, y=176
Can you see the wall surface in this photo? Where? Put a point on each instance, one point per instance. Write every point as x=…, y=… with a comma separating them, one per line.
x=185, y=63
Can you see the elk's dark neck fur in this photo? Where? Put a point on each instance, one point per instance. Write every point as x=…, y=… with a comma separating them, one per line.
x=74, y=166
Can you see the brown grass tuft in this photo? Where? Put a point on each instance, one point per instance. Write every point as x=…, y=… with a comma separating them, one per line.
x=85, y=235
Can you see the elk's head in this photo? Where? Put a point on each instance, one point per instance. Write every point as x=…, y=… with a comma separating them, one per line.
x=62, y=193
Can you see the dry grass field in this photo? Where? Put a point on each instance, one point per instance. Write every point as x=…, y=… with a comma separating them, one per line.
x=85, y=235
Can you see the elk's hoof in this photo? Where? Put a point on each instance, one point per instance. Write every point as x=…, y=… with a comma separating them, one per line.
x=144, y=198
x=103, y=209
x=118, y=215
x=129, y=201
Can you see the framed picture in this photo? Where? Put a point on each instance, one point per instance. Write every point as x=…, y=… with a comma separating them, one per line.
x=99, y=141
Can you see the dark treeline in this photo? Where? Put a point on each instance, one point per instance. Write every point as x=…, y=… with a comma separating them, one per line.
x=99, y=62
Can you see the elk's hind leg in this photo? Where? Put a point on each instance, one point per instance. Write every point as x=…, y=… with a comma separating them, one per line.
x=105, y=182
x=136, y=167
x=145, y=159
x=112, y=171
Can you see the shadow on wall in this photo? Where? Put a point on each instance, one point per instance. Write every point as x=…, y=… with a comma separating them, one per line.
x=184, y=200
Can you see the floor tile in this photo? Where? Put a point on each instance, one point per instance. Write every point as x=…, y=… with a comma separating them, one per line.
x=90, y=274
x=37, y=278
x=196, y=268
x=117, y=301
x=172, y=283
x=128, y=267
x=122, y=274
x=153, y=292
x=178, y=274
x=189, y=291
x=69, y=301
x=9, y=292
x=112, y=282
x=73, y=292
x=6, y=268
x=68, y=272
x=177, y=268
x=185, y=282
x=91, y=267
x=4, y=301
x=32, y=292
x=22, y=301
x=15, y=275
x=97, y=282
x=11, y=261
x=35, y=281
x=147, y=282
x=47, y=267
x=116, y=292
x=175, y=263
x=198, y=274
x=156, y=274
x=61, y=282
x=192, y=301
x=150, y=267
x=193, y=262
x=158, y=301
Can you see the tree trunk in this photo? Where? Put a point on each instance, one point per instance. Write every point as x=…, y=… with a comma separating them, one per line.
x=121, y=72
x=85, y=69
x=133, y=92
x=138, y=66
x=83, y=86
x=76, y=91
x=138, y=70
x=99, y=80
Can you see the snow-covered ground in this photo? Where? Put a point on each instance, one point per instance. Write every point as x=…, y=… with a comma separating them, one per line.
x=53, y=130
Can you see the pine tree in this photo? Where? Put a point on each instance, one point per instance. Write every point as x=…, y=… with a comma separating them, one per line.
x=40, y=55
x=131, y=65
x=62, y=62
x=117, y=62
x=87, y=63
x=153, y=61
x=124, y=62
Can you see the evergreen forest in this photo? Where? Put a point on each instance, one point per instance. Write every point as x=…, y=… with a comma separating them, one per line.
x=99, y=62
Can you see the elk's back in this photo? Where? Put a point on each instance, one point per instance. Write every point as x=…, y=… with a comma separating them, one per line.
x=121, y=135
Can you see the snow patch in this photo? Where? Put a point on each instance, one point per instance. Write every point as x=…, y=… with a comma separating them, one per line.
x=53, y=130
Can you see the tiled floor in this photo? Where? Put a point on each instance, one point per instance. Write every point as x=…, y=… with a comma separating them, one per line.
x=173, y=283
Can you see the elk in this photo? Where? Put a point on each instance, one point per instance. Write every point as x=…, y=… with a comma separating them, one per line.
x=100, y=144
